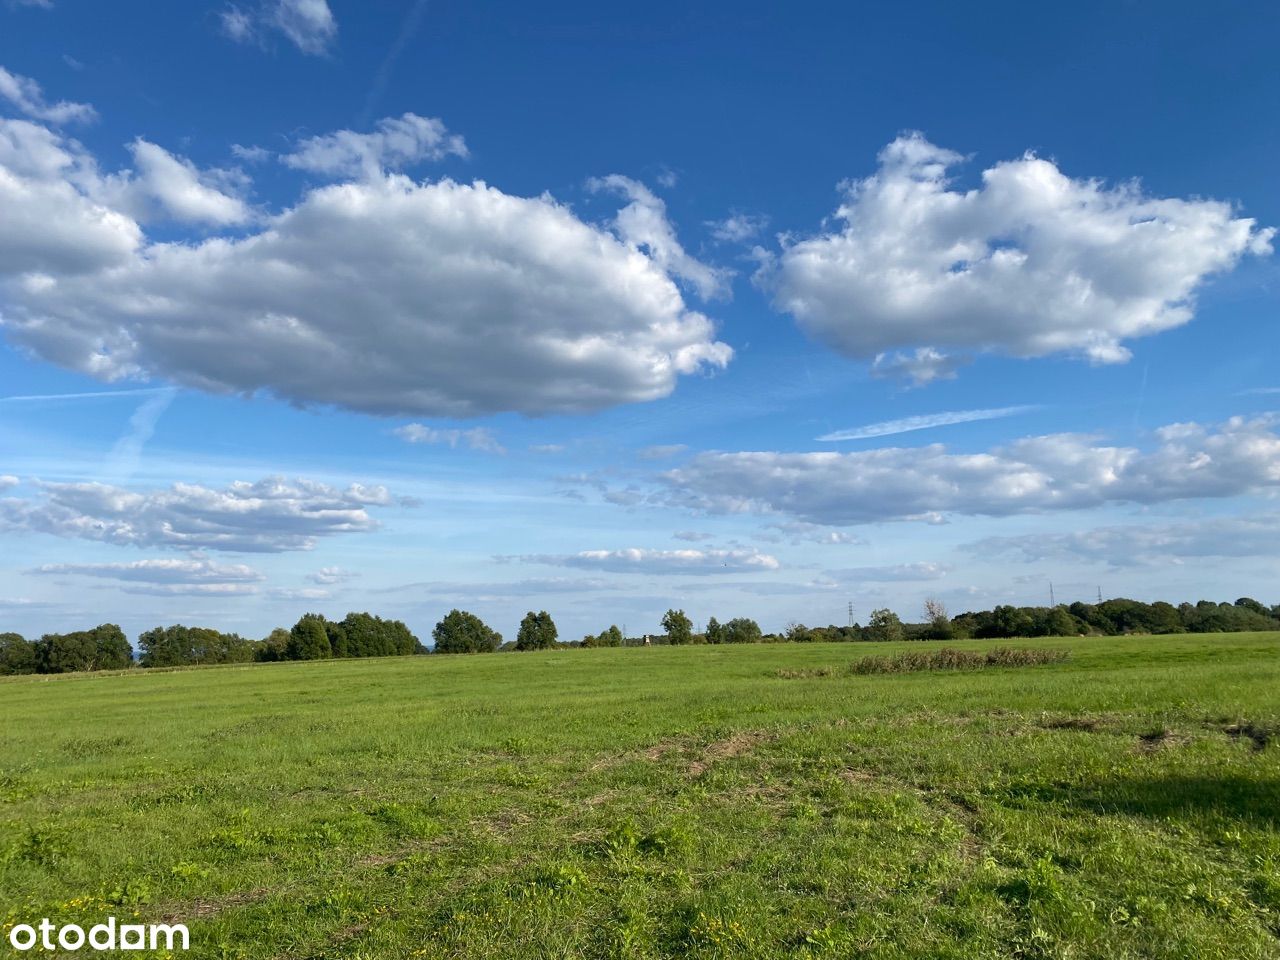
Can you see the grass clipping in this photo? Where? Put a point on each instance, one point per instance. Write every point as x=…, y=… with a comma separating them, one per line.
x=944, y=659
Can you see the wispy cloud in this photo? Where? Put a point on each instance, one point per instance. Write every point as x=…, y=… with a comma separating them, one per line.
x=89, y=395
x=925, y=421
x=127, y=452
x=477, y=438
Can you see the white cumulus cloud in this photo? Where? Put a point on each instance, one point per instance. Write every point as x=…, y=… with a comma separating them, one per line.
x=308, y=24
x=1032, y=262
x=1054, y=472
x=28, y=97
x=269, y=516
x=397, y=142
x=643, y=224
x=385, y=297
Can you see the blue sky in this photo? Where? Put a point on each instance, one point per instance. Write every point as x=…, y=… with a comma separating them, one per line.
x=745, y=309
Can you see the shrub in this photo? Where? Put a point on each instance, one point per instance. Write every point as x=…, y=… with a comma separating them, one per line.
x=951, y=659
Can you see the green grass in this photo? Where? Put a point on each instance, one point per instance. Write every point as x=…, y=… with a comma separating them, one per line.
x=663, y=802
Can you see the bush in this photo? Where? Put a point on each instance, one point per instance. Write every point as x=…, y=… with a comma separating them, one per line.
x=951, y=659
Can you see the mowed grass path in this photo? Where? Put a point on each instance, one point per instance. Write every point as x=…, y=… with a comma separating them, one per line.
x=663, y=802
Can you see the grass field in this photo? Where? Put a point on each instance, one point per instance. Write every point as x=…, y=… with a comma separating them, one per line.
x=664, y=802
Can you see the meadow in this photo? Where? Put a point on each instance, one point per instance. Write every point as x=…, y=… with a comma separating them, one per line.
x=706, y=802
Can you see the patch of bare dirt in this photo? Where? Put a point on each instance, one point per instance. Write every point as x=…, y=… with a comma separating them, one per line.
x=726, y=749
x=1159, y=739
x=1258, y=736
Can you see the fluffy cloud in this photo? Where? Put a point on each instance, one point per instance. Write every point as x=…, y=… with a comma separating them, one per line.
x=737, y=228
x=477, y=438
x=308, y=24
x=163, y=185
x=330, y=575
x=921, y=367
x=643, y=224
x=1030, y=263
x=1126, y=545
x=192, y=577
x=398, y=142
x=1055, y=472
x=8, y=480
x=635, y=560
x=52, y=227
x=384, y=296
x=269, y=516
x=25, y=94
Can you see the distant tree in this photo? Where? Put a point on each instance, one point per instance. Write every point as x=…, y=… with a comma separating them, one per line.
x=17, y=654
x=609, y=637
x=799, y=633
x=309, y=639
x=742, y=630
x=715, y=632
x=273, y=647
x=463, y=632
x=937, y=621
x=1058, y=623
x=1249, y=603
x=182, y=646
x=884, y=626
x=537, y=632
x=339, y=644
x=679, y=628
x=370, y=636
x=102, y=648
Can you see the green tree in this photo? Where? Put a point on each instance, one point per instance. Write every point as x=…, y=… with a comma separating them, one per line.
x=742, y=630
x=370, y=636
x=102, y=648
x=715, y=632
x=537, y=632
x=17, y=654
x=609, y=637
x=309, y=639
x=679, y=628
x=463, y=632
x=273, y=647
x=181, y=646
x=884, y=626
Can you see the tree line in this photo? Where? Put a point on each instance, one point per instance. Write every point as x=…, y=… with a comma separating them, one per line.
x=315, y=637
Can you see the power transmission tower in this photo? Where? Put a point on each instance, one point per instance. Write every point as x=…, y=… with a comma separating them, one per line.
x=1052, y=601
x=1099, y=594
x=851, y=613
